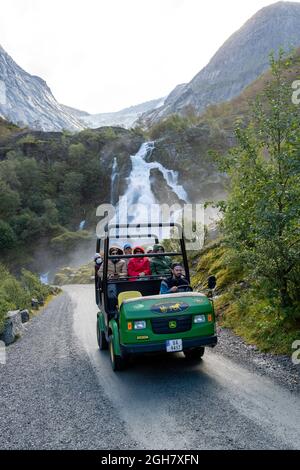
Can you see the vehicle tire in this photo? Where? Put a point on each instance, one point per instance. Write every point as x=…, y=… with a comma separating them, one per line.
x=194, y=354
x=102, y=342
x=117, y=362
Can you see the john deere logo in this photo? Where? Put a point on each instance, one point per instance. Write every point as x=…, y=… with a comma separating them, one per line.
x=169, y=307
x=172, y=324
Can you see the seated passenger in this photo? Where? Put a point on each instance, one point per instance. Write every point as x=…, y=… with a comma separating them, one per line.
x=98, y=261
x=171, y=284
x=160, y=265
x=127, y=251
x=116, y=268
x=139, y=266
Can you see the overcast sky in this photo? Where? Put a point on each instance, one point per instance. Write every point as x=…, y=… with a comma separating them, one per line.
x=104, y=55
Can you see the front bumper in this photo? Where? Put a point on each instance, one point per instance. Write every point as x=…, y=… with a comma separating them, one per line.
x=142, y=348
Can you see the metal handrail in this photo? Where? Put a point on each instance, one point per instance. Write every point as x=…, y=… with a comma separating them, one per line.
x=145, y=255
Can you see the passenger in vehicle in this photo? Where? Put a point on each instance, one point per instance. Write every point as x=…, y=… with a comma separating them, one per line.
x=160, y=265
x=139, y=266
x=98, y=261
x=116, y=268
x=127, y=251
x=171, y=284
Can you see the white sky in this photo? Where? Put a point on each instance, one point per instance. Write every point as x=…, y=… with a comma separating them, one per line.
x=104, y=55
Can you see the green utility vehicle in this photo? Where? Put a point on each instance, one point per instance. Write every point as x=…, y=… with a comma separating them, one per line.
x=134, y=318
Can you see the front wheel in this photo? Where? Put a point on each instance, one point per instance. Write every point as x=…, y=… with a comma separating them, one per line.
x=117, y=362
x=194, y=354
x=102, y=342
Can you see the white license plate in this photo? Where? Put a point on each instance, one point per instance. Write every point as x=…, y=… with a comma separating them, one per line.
x=174, y=345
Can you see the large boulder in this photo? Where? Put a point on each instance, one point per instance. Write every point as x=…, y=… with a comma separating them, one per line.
x=12, y=327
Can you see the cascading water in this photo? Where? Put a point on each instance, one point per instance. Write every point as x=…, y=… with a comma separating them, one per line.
x=44, y=278
x=114, y=180
x=82, y=225
x=139, y=189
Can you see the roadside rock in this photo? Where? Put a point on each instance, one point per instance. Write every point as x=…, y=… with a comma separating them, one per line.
x=35, y=304
x=24, y=316
x=12, y=327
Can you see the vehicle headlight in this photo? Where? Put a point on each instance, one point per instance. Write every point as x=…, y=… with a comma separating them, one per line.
x=199, y=319
x=139, y=325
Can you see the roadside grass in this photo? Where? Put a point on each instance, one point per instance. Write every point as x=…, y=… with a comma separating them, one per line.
x=242, y=307
x=82, y=275
x=16, y=294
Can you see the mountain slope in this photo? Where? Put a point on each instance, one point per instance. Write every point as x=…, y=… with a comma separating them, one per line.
x=124, y=118
x=241, y=59
x=26, y=100
x=183, y=143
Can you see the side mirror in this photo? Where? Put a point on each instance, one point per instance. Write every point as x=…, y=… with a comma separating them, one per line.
x=211, y=282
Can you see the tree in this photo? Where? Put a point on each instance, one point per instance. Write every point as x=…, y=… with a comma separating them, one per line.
x=9, y=201
x=262, y=214
x=7, y=236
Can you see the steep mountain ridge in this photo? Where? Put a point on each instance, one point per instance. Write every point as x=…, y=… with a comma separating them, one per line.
x=27, y=100
x=241, y=59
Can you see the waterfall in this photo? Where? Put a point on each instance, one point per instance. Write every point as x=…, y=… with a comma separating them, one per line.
x=82, y=225
x=44, y=278
x=114, y=181
x=139, y=189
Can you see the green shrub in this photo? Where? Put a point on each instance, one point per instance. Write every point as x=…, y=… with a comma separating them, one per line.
x=17, y=295
x=7, y=236
x=69, y=240
x=32, y=285
x=4, y=308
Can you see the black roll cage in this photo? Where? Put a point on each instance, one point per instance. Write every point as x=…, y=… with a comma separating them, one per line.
x=109, y=228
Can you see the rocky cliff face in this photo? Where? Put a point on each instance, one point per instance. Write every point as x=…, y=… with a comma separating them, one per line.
x=241, y=59
x=26, y=100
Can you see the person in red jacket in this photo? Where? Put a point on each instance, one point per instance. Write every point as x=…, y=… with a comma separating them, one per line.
x=138, y=266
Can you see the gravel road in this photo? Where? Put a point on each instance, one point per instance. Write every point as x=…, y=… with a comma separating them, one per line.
x=58, y=391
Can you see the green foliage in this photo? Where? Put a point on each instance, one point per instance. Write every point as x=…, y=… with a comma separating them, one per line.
x=82, y=275
x=217, y=260
x=7, y=236
x=261, y=321
x=173, y=123
x=109, y=133
x=76, y=151
x=28, y=139
x=258, y=262
x=261, y=220
x=9, y=201
x=32, y=285
x=50, y=179
x=16, y=294
x=244, y=306
x=69, y=241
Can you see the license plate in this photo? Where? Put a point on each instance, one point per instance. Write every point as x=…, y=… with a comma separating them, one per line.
x=174, y=345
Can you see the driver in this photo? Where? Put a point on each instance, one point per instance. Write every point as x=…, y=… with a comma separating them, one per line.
x=171, y=284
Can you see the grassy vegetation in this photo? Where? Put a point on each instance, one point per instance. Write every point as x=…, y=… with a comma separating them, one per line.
x=17, y=294
x=82, y=275
x=242, y=304
x=50, y=182
x=257, y=262
x=7, y=128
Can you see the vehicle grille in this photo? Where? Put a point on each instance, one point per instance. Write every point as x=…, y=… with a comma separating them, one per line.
x=160, y=326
